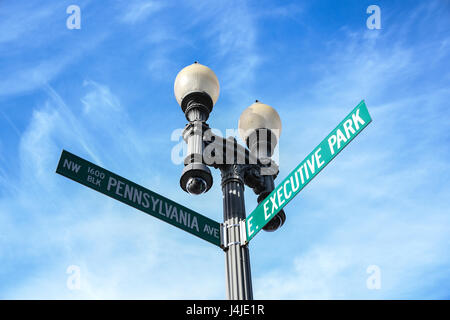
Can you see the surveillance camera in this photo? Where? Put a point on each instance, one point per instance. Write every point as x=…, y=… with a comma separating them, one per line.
x=264, y=189
x=196, y=185
x=276, y=222
x=196, y=178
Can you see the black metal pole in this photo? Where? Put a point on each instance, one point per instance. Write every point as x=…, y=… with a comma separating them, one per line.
x=237, y=257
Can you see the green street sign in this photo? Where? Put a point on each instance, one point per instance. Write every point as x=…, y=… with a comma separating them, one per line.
x=130, y=193
x=329, y=148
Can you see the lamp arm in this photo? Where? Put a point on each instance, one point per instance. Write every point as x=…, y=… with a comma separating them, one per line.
x=231, y=152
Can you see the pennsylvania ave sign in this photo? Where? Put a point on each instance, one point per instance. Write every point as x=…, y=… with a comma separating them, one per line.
x=130, y=193
x=329, y=148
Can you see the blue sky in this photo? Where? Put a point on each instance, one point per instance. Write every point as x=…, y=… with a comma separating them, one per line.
x=105, y=93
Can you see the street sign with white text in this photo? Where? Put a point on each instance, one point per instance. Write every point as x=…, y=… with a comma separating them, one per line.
x=337, y=140
x=130, y=193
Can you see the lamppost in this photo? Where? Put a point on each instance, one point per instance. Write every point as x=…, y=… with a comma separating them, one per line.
x=197, y=89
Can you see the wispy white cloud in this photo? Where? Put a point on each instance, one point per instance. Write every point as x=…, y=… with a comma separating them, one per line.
x=32, y=77
x=289, y=10
x=404, y=242
x=86, y=229
x=19, y=21
x=138, y=11
x=27, y=30
x=381, y=201
x=238, y=49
